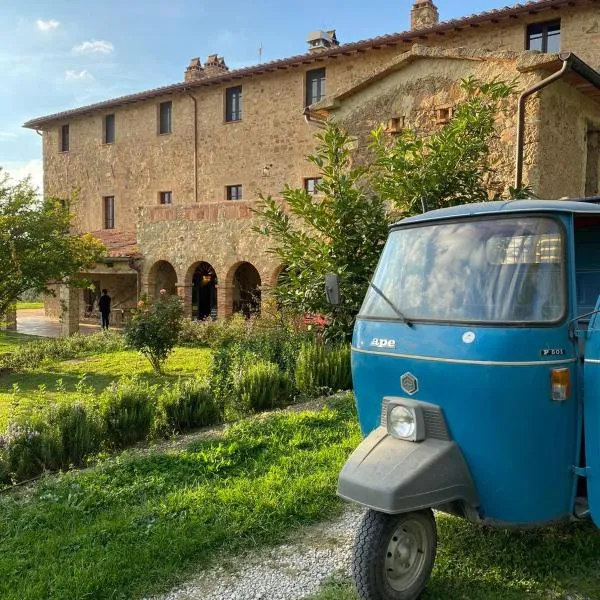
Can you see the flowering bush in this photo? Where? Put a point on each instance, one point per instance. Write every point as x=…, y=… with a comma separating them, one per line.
x=21, y=453
x=155, y=327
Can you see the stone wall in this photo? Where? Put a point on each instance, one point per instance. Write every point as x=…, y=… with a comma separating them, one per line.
x=185, y=236
x=267, y=148
x=565, y=116
x=122, y=286
x=262, y=151
x=418, y=90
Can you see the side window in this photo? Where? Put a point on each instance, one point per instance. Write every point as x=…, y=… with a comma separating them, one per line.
x=233, y=104
x=315, y=86
x=544, y=37
x=234, y=192
x=165, y=197
x=109, y=129
x=64, y=138
x=311, y=183
x=165, y=117
x=109, y=212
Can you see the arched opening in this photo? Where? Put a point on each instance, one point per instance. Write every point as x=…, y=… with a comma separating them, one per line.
x=204, y=292
x=162, y=277
x=246, y=290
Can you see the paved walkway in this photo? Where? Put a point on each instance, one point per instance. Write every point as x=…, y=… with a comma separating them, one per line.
x=35, y=322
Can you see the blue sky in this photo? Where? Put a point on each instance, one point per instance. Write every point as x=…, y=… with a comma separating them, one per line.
x=60, y=54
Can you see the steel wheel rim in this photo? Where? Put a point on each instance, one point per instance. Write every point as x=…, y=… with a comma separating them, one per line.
x=406, y=555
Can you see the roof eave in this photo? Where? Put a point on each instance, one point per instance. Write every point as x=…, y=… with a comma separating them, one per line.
x=347, y=49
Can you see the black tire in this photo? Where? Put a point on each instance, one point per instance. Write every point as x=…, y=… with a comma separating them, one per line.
x=394, y=555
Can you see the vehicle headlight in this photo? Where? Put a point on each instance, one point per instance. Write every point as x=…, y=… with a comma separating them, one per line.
x=402, y=423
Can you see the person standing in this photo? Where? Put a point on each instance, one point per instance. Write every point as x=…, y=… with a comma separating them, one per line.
x=104, y=306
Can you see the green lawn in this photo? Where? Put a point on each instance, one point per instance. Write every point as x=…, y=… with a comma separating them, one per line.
x=10, y=340
x=29, y=305
x=481, y=563
x=100, y=370
x=138, y=524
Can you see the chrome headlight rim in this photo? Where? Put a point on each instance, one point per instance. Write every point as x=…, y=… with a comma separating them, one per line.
x=416, y=433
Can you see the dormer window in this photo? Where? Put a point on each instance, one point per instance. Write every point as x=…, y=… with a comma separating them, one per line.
x=544, y=37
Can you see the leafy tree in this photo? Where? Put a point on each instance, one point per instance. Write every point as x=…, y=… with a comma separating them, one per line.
x=342, y=229
x=449, y=167
x=339, y=230
x=155, y=327
x=37, y=244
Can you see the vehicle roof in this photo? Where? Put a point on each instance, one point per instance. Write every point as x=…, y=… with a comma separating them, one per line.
x=505, y=207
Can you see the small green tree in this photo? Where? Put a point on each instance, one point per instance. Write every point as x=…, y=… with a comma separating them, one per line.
x=342, y=229
x=155, y=327
x=339, y=230
x=37, y=244
x=450, y=166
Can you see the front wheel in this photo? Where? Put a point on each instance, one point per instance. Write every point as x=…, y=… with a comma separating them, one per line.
x=394, y=555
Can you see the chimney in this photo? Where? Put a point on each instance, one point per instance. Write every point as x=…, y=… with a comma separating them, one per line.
x=194, y=70
x=215, y=65
x=321, y=40
x=424, y=14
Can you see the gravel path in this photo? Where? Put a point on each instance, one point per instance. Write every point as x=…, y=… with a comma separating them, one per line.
x=288, y=572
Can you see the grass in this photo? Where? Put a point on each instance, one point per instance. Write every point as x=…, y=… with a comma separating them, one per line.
x=29, y=305
x=139, y=523
x=11, y=340
x=99, y=371
x=481, y=563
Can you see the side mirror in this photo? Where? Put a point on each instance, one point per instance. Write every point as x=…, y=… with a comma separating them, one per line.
x=332, y=288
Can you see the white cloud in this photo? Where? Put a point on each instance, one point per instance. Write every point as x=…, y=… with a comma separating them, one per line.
x=31, y=168
x=83, y=75
x=48, y=25
x=94, y=47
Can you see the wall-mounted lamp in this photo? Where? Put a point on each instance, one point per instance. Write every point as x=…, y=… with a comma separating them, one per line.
x=267, y=170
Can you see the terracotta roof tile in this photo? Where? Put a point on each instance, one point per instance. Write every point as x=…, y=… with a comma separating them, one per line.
x=490, y=16
x=120, y=244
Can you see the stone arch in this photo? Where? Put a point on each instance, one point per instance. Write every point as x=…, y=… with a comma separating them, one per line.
x=244, y=281
x=276, y=274
x=201, y=282
x=162, y=275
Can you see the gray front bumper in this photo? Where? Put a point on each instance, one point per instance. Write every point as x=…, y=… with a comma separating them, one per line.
x=395, y=476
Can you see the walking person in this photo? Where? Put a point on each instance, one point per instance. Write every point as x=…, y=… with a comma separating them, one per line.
x=104, y=306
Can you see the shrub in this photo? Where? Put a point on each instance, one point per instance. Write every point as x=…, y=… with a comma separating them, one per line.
x=22, y=447
x=155, y=327
x=320, y=368
x=188, y=404
x=263, y=386
x=128, y=408
x=77, y=432
x=35, y=352
x=211, y=333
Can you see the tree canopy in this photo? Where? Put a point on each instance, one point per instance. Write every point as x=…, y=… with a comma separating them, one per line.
x=343, y=227
x=340, y=229
x=37, y=243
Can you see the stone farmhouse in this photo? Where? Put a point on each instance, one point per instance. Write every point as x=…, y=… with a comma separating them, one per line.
x=167, y=177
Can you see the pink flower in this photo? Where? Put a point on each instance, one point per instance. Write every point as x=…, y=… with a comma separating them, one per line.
x=163, y=292
x=140, y=304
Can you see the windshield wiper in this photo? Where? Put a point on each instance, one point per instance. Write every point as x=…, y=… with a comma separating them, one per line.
x=402, y=316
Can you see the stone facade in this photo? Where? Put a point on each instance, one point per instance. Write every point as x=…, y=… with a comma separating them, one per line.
x=265, y=149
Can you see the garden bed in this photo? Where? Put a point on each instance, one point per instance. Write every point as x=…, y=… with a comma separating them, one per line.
x=136, y=524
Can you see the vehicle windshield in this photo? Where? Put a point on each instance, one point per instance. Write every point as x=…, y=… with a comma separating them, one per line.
x=501, y=270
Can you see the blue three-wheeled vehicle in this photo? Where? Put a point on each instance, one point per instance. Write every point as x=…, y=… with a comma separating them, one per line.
x=476, y=368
